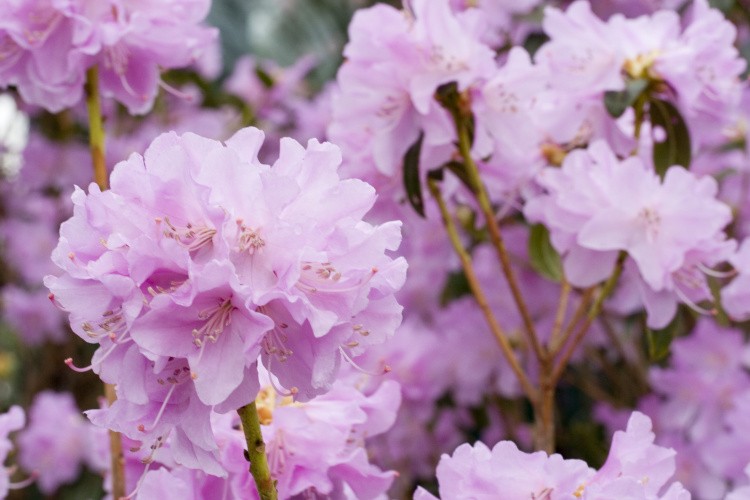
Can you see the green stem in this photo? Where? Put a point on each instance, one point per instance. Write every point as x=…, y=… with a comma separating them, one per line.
x=96, y=127
x=96, y=144
x=256, y=452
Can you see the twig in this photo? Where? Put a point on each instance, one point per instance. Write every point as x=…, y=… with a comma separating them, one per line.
x=256, y=452
x=478, y=292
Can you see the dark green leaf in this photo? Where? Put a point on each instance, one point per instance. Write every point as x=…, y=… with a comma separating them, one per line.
x=544, y=258
x=459, y=170
x=534, y=42
x=265, y=78
x=722, y=5
x=675, y=148
x=412, y=182
x=617, y=102
x=659, y=341
x=456, y=286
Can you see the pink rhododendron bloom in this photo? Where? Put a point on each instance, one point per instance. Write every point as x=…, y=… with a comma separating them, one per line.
x=200, y=261
x=696, y=59
x=31, y=315
x=314, y=449
x=705, y=375
x=635, y=468
x=735, y=297
x=596, y=205
x=57, y=440
x=46, y=46
x=478, y=472
x=406, y=56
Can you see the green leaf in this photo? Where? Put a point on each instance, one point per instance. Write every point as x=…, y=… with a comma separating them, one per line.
x=544, y=258
x=660, y=341
x=617, y=102
x=265, y=78
x=723, y=5
x=412, y=182
x=675, y=148
x=456, y=286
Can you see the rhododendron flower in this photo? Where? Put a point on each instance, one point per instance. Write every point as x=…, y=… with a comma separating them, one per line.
x=635, y=468
x=200, y=260
x=32, y=316
x=57, y=441
x=696, y=59
x=314, y=449
x=735, y=297
x=596, y=205
x=406, y=56
x=46, y=46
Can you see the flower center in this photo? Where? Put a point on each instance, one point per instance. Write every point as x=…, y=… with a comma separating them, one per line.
x=191, y=237
x=249, y=239
x=652, y=221
x=641, y=65
x=216, y=318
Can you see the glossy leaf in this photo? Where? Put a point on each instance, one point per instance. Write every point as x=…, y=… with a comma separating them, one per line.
x=544, y=258
x=412, y=182
x=675, y=147
x=617, y=102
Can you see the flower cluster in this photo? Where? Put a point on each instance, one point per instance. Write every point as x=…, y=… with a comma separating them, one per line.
x=635, y=468
x=58, y=440
x=200, y=260
x=46, y=46
x=406, y=56
x=596, y=206
x=315, y=449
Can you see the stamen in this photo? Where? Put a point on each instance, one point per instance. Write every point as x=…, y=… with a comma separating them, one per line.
x=249, y=240
x=217, y=319
x=116, y=343
x=191, y=237
x=132, y=494
x=161, y=411
x=279, y=390
x=692, y=305
x=26, y=482
x=176, y=92
x=323, y=277
x=716, y=274
x=346, y=356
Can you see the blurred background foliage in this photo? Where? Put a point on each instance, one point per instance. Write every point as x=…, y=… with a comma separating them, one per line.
x=285, y=30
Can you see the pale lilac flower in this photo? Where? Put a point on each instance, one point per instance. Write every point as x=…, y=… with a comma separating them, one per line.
x=635, y=468
x=705, y=377
x=698, y=61
x=742, y=491
x=55, y=443
x=315, y=449
x=636, y=464
x=406, y=56
x=32, y=315
x=47, y=46
x=480, y=473
x=735, y=297
x=596, y=206
x=200, y=259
